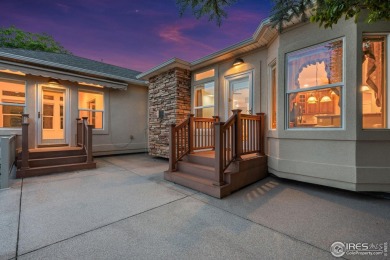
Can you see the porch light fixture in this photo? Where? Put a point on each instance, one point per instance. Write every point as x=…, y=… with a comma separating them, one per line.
x=325, y=99
x=54, y=82
x=238, y=61
x=365, y=88
x=25, y=118
x=312, y=99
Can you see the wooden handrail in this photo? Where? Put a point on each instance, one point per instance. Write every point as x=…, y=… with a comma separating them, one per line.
x=85, y=131
x=241, y=134
x=194, y=133
x=25, y=152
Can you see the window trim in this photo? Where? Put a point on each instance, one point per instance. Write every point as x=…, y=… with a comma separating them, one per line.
x=314, y=88
x=230, y=78
x=194, y=96
x=387, y=80
x=271, y=67
x=105, y=111
x=24, y=105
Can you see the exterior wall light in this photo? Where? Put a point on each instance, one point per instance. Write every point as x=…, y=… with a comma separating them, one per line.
x=238, y=61
x=53, y=82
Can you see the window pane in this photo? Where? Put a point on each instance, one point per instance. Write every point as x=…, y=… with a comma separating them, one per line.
x=204, y=95
x=204, y=75
x=48, y=110
x=316, y=66
x=319, y=108
x=273, y=97
x=204, y=112
x=11, y=116
x=374, y=82
x=91, y=100
x=12, y=91
x=47, y=122
x=240, y=95
x=94, y=118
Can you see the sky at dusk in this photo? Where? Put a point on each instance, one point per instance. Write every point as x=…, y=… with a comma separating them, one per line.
x=136, y=34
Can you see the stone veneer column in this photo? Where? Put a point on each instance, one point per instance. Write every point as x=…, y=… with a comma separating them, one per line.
x=170, y=92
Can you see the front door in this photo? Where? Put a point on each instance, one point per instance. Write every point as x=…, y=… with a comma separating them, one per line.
x=240, y=93
x=52, y=116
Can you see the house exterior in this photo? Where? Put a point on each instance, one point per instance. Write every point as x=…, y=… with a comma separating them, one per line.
x=325, y=94
x=55, y=89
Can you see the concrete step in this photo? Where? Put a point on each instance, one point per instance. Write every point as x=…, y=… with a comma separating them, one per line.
x=197, y=170
x=45, y=170
x=203, y=185
x=54, y=161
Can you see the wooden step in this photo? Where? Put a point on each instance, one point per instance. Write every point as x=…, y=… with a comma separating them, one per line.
x=198, y=170
x=48, y=153
x=202, y=160
x=54, y=161
x=45, y=170
x=197, y=183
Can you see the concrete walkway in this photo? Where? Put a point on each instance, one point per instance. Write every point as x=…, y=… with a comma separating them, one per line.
x=125, y=210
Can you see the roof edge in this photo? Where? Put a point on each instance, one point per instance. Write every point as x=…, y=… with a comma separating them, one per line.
x=169, y=64
x=75, y=69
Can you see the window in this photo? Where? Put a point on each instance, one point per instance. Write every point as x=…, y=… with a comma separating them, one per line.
x=315, y=86
x=12, y=103
x=91, y=105
x=204, y=75
x=374, y=90
x=204, y=100
x=273, y=96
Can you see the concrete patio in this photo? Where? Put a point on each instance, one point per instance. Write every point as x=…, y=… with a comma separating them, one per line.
x=125, y=210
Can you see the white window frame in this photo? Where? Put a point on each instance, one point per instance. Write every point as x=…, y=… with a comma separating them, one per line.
x=228, y=80
x=194, y=97
x=271, y=67
x=14, y=104
x=338, y=84
x=387, y=80
x=105, y=110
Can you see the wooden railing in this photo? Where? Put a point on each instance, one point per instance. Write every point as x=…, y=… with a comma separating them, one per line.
x=204, y=135
x=241, y=134
x=84, y=137
x=194, y=133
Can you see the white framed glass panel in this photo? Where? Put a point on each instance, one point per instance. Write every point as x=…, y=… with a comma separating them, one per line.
x=91, y=105
x=374, y=87
x=12, y=103
x=315, y=86
x=204, y=100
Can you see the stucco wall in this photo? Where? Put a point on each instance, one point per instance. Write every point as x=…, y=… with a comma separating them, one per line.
x=169, y=92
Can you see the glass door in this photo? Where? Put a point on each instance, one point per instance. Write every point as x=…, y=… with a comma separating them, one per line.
x=240, y=94
x=52, y=116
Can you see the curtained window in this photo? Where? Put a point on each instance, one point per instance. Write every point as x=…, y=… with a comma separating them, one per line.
x=374, y=82
x=314, y=86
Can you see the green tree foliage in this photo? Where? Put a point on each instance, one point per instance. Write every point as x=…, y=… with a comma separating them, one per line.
x=13, y=37
x=214, y=9
x=324, y=12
